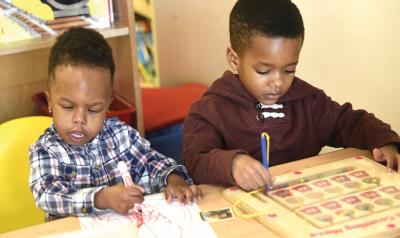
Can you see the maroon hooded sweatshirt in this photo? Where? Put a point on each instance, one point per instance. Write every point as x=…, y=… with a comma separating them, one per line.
x=226, y=121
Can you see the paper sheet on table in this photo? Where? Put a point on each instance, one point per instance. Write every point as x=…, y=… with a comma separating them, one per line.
x=105, y=232
x=160, y=219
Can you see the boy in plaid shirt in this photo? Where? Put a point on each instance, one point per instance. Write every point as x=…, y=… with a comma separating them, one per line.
x=74, y=163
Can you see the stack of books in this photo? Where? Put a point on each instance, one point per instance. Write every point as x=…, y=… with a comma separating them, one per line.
x=16, y=24
x=27, y=19
x=144, y=44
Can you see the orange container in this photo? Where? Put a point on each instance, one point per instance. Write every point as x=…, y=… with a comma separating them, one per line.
x=118, y=108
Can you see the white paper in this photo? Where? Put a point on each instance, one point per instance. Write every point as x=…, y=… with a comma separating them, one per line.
x=105, y=232
x=160, y=219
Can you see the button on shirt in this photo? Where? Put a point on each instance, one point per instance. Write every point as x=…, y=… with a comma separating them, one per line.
x=64, y=178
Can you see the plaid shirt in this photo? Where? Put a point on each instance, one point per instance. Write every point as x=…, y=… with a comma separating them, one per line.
x=64, y=178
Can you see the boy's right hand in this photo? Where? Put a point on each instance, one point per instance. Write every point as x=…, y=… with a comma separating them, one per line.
x=118, y=197
x=250, y=174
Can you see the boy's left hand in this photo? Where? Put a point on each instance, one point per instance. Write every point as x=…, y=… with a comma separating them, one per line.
x=179, y=189
x=388, y=153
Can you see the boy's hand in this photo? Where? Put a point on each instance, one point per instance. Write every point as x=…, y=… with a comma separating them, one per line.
x=249, y=173
x=118, y=197
x=388, y=153
x=180, y=189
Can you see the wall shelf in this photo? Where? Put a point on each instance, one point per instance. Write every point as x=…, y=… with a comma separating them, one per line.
x=23, y=67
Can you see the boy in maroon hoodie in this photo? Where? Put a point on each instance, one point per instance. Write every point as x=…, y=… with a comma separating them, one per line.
x=222, y=131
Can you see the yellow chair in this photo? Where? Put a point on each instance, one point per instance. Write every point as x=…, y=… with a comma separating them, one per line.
x=17, y=206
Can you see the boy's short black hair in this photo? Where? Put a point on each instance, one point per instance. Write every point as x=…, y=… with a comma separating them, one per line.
x=81, y=46
x=272, y=18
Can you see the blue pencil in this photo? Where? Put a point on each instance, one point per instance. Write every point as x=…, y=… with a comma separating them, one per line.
x=265, y=149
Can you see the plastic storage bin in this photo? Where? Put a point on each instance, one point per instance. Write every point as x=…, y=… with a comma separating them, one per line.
x=164, y=110
x=168, y=141
x=118, y=108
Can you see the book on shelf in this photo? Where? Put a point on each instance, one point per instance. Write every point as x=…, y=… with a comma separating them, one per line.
x=143, y=8
x=17, y=24
x=27, y=19
x=145, y=53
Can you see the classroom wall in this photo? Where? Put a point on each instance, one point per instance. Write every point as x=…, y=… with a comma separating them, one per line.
x=192, y=38
x=351, y=48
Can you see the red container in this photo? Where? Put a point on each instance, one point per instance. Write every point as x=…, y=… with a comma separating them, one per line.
x=118, y=108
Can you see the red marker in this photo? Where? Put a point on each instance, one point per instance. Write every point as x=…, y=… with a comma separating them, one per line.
x=126, y=177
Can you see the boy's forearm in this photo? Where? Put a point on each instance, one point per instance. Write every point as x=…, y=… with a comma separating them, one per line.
x=60, y=200
x=214, y=167
x=159, y=167
x=173, y=177
x=100, y=199
x=160, y=179
x=355, y=128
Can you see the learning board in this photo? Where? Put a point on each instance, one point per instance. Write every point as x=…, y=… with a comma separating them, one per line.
x=354, y=197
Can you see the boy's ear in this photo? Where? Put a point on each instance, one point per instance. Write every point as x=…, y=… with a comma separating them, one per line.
x=233, y=59
x=48, y=100
x=110, y=101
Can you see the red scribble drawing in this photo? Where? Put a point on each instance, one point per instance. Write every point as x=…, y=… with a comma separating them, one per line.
x=156, y=219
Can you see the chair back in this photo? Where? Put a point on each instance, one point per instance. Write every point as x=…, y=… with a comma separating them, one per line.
x=17, y=206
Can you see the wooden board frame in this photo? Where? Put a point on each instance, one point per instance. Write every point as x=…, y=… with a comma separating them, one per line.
x=291, y=221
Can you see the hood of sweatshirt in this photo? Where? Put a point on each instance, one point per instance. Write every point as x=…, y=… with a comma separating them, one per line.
x=230, y=87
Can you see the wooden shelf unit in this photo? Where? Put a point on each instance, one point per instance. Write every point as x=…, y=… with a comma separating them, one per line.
x=23, y=68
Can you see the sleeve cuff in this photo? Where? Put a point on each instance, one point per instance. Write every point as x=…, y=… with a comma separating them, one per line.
x=224, y=160
x=84, y=201
x=178, y=169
